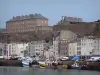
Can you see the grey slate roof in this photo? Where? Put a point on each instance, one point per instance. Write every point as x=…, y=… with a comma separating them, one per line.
x=30, y=16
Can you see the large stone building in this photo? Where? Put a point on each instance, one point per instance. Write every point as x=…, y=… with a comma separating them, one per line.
x=26, y=22
x=26, y=28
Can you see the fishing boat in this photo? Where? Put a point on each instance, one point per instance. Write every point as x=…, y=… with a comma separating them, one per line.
x=26, y=61
x=77, y=65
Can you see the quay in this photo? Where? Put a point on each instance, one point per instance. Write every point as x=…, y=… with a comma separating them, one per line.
x=83, y=65
x=11, y=63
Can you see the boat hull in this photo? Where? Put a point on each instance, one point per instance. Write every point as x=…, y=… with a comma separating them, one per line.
x=25, y=64
x=79, y=68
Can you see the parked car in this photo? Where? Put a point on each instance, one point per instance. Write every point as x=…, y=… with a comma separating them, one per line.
x=94, y=59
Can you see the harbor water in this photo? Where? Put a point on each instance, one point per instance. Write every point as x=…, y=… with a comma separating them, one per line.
x=42, y=71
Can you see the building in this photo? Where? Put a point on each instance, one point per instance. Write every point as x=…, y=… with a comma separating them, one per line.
x=85, y=47
x=65, y=37
x=52, y=52
x=26, y=28
x=16, y=49
x=26, y=22
x=96, y=50
x=36, y=48
x=72, y=49
x=56, y=47
x=69, y=20
x=2, y=45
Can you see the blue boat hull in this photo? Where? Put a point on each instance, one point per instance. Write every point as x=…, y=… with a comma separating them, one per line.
x=79, y=68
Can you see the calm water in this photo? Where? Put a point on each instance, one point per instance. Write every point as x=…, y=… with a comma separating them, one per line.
x=31, y=71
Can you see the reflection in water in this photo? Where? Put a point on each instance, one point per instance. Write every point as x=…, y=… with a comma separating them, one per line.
x=37, y=71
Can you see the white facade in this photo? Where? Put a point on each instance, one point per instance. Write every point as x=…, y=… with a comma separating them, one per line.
x=83, y=47
x=56, y=47
x=87, y=46
x=96, y=50
x=72, y=49
x=17, y=49
x=36, y=48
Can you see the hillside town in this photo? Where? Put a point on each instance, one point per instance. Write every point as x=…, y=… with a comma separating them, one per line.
x=30, y=35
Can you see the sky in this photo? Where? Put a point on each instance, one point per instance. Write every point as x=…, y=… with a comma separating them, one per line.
x=89, y=10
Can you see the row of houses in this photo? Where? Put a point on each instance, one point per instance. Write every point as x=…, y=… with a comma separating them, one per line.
x=34, y=48
x=66, y=44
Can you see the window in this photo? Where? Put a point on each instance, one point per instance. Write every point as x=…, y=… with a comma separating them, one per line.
x=79, y=53
x=90, y=52
x=82, y=44
x=45, y=21
x=78, y=48
x=78, y=44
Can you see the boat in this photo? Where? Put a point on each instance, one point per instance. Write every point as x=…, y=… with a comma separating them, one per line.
x=25, y=64
x=76, y=65
x=35, y=64
x=27, y=61
x=42, y=64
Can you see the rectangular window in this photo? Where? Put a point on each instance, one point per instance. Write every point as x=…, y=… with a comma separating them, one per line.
x=79, y=53
x=78, y=44
x=78, y=48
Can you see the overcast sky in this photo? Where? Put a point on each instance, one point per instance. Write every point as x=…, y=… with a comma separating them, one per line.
x=89, y=10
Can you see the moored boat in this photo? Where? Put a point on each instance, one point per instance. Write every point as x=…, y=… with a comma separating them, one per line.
x=27, y=61
x=42, y=64
x=79, y=67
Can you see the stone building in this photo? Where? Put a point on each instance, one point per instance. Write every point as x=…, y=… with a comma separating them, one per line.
x=68, y=20
x=26, y=28
x=65, y=38
x=26, y=22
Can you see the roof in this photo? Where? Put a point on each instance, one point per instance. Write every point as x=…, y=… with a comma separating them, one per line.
x=30, y=16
